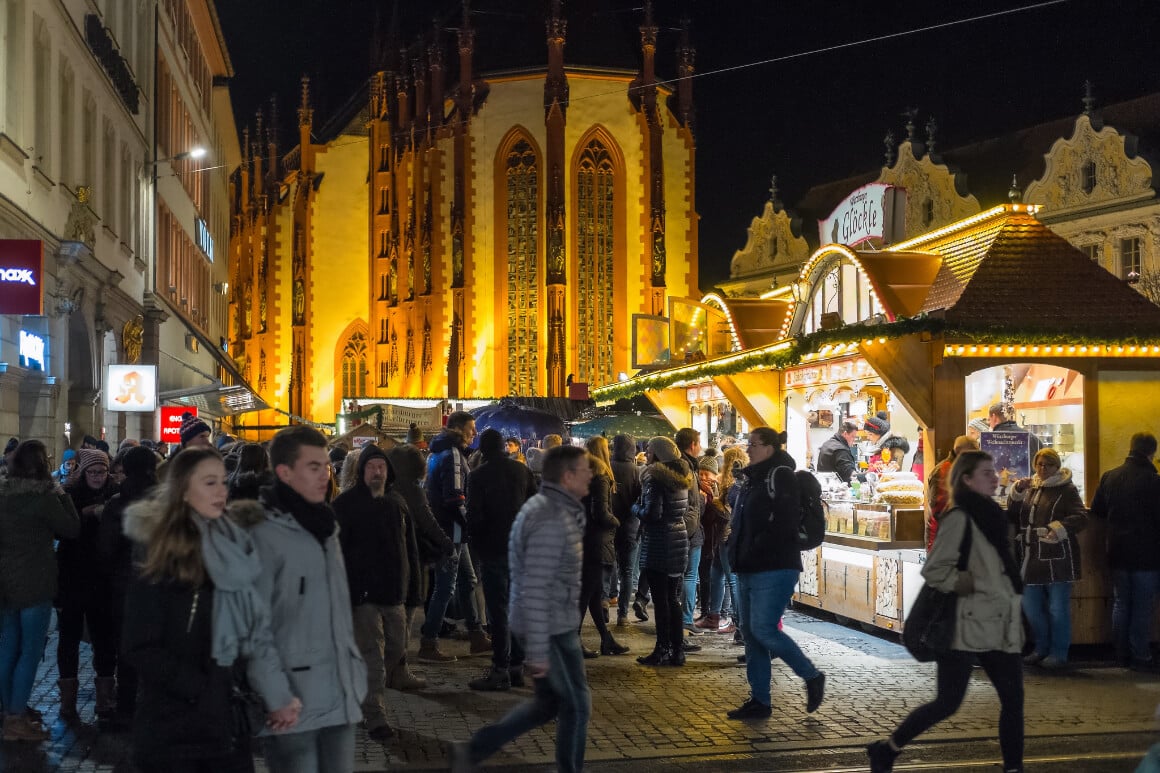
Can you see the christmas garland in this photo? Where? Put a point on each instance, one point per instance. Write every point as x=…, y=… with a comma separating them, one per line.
x=791, y=352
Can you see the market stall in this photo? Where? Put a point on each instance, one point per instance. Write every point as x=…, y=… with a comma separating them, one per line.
x=992, y=309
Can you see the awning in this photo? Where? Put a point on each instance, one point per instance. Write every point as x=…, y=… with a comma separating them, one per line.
x=216, y=400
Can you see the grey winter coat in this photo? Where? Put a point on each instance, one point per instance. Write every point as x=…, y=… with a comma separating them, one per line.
x=545, y=552
x=304, y=584
x=664, y=504
x=32, y=514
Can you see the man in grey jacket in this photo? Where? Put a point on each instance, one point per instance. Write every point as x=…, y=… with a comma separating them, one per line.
x=303, y=581
x=544, y=554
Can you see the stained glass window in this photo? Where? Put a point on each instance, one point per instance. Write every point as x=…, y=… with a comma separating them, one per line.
x=522, y=260
x=354, y=366
x=594, y=212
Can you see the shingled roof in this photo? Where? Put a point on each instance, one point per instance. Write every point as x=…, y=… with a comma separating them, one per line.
x=1010, y=272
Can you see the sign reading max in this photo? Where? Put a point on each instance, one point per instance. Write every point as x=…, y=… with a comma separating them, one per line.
x=874, y=211
x=21, y=276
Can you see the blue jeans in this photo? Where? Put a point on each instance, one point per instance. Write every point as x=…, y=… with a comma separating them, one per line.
x=495, y=576
x=325, y=750
x=691, y=577
x=1135, y=594
x=628, y=564
x=453, y=571
x=561, y=695
x=22, y=636
x=720, y=576
x=1048, y=610
x=763, y=597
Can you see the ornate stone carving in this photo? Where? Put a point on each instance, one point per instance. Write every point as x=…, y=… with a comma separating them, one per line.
x=1113, y=171
x=81, y=220
x=132, y=338
x=771, y=242
x=934, y=192
x=808, y=580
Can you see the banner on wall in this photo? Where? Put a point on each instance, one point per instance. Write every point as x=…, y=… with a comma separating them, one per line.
x=131, y=388
x=1011, y=451
x=21, y=276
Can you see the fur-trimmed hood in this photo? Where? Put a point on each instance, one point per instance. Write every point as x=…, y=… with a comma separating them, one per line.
x=671, y=475
x=143, y=517
x=14, y=487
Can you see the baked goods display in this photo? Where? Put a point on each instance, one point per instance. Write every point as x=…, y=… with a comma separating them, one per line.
x=902, y=489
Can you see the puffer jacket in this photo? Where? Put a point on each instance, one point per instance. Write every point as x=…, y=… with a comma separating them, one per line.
x=626, y=473
x=662, y=509
x=990, y=617
x=33, y=513
x=407, y=462
x=1052, y=504
x=600, y=528
x=765, y=529
x=446, y=485
x=545, y=554
x=1128, y=498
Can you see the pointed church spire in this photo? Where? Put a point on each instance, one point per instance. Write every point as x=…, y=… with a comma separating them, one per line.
x=1089, y=98
x=685, y=57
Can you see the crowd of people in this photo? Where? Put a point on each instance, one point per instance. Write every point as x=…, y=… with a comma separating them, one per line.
x=236, y=592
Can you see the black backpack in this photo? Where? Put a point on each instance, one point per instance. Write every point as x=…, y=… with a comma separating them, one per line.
x=804, y=490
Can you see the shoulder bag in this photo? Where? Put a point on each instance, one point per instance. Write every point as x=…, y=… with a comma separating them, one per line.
x=930, y=626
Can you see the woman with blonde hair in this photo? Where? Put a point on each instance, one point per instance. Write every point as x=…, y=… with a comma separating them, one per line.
x=191, y=615
x=599, y=549
x=721, y=577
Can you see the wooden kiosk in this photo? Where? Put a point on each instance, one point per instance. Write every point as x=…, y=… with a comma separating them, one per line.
x=994, y=307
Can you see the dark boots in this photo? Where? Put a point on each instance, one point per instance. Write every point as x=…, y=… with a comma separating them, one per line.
x=68, y=698
x=609, y=646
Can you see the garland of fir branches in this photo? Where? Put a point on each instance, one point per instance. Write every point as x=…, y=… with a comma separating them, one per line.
x=764, y=359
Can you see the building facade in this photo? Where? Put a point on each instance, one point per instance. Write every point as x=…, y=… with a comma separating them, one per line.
x=465, y=232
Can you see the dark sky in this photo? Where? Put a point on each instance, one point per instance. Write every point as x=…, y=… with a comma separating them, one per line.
x=809, y=119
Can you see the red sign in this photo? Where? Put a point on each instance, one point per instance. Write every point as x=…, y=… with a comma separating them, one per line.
x=21, y=276
x=171, y=422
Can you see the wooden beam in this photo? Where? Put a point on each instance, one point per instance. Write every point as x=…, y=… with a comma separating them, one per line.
x=740, y=400
x=905, y=365
x=761, y=391
x=672, y=403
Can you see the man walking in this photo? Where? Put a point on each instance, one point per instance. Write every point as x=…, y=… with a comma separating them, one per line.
x=381, y=555
x=496, y=490
x=837, y=454
x=688, y=442
x=1128, y=497
x=764, y=553
x=447, y=492
x=545, y=552
x=304, y=584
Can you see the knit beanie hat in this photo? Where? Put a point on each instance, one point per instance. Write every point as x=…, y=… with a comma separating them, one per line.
x=68, y=455
x=87, y=457
x=663, y=449
x=877, y=426
x=139, y=462
x=191, y=427
x=535, y=458
x=710, y=463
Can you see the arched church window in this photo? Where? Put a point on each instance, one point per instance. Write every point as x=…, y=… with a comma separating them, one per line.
x=594, y=235
x=1088, y=174
x=354, y=366
x=523, y=223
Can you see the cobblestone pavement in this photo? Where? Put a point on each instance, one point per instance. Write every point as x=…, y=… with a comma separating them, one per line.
x=652, y=713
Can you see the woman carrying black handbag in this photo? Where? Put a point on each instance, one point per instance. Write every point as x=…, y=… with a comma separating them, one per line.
x=989, y=626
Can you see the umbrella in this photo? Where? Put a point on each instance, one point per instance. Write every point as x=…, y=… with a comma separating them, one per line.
x=640, y=426
x=513, y=420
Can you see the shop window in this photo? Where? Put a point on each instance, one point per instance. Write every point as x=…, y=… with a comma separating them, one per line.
x=1088, y=175
x=1130, y=257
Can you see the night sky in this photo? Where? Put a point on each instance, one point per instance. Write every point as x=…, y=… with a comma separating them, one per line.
x=809, y=119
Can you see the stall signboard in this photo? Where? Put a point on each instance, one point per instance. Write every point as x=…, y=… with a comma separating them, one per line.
x=171, y=421
x=1011, y=450
x=874, y=211
x=21, y=276
x=828, y=373
x=131, y=388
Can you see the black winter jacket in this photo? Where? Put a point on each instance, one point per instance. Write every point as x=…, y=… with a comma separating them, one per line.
x=836, y=456
x=407, y=462
x=114, y=549
x=246, y=485
x=378, y=541
x=764, y=530
x=496, y=490
x=1128, y=497
x=446, y=484
x=662, y=509
x=601, y=525
x=80, y=563
x=183, y=708
x=627, y=476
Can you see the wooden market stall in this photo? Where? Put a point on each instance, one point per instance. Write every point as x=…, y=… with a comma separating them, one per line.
x=994, y=308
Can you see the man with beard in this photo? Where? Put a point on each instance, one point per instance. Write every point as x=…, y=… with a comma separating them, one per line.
x=382, y=569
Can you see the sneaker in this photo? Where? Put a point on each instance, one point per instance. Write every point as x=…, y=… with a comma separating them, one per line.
x=1052, y=663
x=621, y=620
x=494, y=680
x=693, y=630
x=639, y=610
x=815, y=692
x=382, y=733
x=881, y=757
x=728, y=627
x=1033, y=659
x=751, y=709
x=460, y=754
x=430, y=652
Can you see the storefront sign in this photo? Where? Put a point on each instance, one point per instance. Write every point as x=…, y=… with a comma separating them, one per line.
x=21, y=276
x=874, y=211
x=131, y=388
x=828, y=373
x=171, y=422
x=31, y=351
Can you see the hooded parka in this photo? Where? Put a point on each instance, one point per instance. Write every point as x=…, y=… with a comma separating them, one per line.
x=664, y=504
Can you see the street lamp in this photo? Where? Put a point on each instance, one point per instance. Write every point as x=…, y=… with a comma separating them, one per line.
x=194, y=153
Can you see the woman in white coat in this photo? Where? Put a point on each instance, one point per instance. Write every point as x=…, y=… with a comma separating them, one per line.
x=988, y=629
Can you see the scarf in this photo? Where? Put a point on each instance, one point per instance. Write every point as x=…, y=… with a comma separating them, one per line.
x=318, y=519
x=232, y=563
x=986, y=514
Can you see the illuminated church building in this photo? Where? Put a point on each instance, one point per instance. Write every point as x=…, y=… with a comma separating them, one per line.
x=472, y=225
